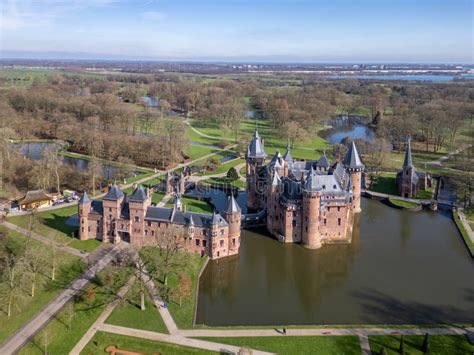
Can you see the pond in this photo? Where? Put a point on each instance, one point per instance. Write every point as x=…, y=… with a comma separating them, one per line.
x=150, y=101
x=219, y=198
x=353, y=127
x=401, y=267
x=36, y=150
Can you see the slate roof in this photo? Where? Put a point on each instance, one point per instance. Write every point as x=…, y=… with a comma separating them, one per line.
x=84, y=198
x=276, y=179
x=163, y=214
x=408, y=161
x=287, y=157
x=352, y=159
x=323, y=162
x=291, y=189
x=139, y=195
x=114, y=193
x=255, y=148
x=97, y=207
x=233, y=205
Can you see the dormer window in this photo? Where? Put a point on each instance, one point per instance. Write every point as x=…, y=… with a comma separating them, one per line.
x=324, y=187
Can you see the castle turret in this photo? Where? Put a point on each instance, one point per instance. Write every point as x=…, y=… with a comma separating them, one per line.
x=112, y=206
x=255, y=159
x=190, y=227
x=311, y=236
x=138, y=204
x=355, y=168
x=287, y=160
x=85, y=204
x=273, y=196
x=233, y=216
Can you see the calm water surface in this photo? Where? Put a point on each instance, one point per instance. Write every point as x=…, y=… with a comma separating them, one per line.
x=401, y=267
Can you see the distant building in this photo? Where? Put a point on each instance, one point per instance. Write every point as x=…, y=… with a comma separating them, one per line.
x=35, y=199
x=132, y=219
x=310, y=202
x=409, y=180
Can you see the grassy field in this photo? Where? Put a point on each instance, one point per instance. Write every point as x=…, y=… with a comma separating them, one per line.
x=402, y=203
x=102, y=340
x=425, y=194
x=196, y=151
x=439, y=344
x=324, y=345
x=224, y=167
x=462, y=230
x=387, y=184
x=23, y=77
x=128, y=313
x=54, y=223
x=86, y=309
x=470, y=217
x=193, y=205
x=69, y=267
x=223, y=181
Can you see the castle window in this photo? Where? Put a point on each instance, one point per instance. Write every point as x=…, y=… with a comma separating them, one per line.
x=152, y=233
x=325, y=221
x=338, y=209
x=338, y=221
x=306, y=228
x=324, y=187
x=204, y=232
x=88, y=229
x=110, y=216
x=222, y=232
x=198, y=242
x=204, y=243
x=137, y=219
x=82, y=229
x=146, y=232
x=233, y=241
x=294, y=223
x=122, y=226
x=110, y=209
x=149, y=223
x=98, y=229
x=406, y=173
x=221, y=242
x=217, y=254
x=329, y=209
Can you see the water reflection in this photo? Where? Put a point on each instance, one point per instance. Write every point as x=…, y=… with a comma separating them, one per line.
x=398, y=261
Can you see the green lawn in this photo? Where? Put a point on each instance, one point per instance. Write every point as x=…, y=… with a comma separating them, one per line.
x=439, y=344
x=404, y=204
x=129, y=314
x=224, y=168
x=324, y=345
x=24, y=77
x=425, y=194
x=87, y=309
x=462, y=230
x=69, y=267
x=54, y=223
x=193, y=205
x=196, y=151
x=222, y=181
x=102, y=340
x=387, y=184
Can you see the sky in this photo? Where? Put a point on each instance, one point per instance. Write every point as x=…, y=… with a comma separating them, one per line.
x=324, y=31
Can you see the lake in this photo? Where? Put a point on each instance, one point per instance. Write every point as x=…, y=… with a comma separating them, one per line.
x=401, y=267
x=407, y=77
x=353, y=127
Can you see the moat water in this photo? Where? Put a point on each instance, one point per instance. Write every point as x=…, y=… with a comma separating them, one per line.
x=401, y=267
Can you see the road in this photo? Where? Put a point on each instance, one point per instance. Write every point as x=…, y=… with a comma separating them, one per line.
x=28, y=330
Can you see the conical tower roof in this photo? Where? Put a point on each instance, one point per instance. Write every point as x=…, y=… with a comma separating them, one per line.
x=287, y=157
x=408, y=161
x=114, y=193
x=233, y=205
x=352, y=159
x=84, y=198
x=139, y=195
x=255, y=148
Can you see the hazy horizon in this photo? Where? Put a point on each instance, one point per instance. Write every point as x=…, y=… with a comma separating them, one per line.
x=280, y=31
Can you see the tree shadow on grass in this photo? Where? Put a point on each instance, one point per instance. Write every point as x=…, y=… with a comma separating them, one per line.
x=58, y=222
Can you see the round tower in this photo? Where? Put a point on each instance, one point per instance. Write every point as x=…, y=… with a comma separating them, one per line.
x=233, y=216
x=255, y=158
x=85, y=205
x=311, y=236
x=355, y=168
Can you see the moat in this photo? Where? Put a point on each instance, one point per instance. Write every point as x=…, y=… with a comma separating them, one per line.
x=401, y=267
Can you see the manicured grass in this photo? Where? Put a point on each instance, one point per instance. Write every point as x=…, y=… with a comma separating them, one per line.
x=439, y=344
x=193, y=205
x=324, y=345
x=224, y=181
x=53, y=222
x=425, y=194
x=87, y=309
x=183, y=316
x=129, y=314
x=224, y=167
x=196, y=151
x=402, y=203
x=462, y=230
x=102, y=340
x=69, y=267
x=387, y=184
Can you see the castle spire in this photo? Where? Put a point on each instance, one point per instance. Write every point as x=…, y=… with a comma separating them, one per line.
x=84, y=198
x=408, y=161
x=352, y=159
x=233, y=205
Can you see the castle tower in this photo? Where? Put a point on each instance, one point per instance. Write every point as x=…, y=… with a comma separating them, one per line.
x=190, y=227
x=311, y=236
x=177, y=204
x=255, y=159
x=233, y=216
x=181, y=183
x=112, y=205
x=138, y=204
x=169, y=182
x=355, y=168
x=287, y=160
x=407, y=186
x=85, y=205
x=273, y=195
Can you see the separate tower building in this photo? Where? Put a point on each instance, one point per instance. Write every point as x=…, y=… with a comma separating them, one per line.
x=85, y=204
x=409, y=178
x=355, y=168
x=311, y=237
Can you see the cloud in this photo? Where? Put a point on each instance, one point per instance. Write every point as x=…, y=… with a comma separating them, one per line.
x=153, y=15
x=17, y=14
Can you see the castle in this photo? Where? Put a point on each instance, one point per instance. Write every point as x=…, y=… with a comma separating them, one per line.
x=134, y=220
x=308, y=202
x=409, y=180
